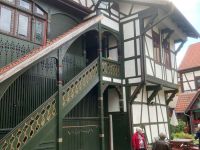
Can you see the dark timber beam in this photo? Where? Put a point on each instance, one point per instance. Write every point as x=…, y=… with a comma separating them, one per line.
x=156, y=20
x=151, y=20
x=136, y=92
x=170, y=98
x=167, y=31
x=155, y=89
x=180, y=46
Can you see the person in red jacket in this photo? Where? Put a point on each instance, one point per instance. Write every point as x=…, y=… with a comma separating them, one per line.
x=138, y=140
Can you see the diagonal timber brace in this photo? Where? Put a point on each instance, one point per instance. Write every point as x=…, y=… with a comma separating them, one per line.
x=151, y=21
x=155, y=89
x=136, y=92
x=182, y=42
x=172, y=95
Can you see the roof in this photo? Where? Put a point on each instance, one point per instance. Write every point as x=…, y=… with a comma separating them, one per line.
x=184, y=101
x=191, y=58
x=184, y=24
x=176, y=16
x=38, y=54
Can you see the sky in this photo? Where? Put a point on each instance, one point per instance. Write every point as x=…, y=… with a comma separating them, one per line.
x=191, y=10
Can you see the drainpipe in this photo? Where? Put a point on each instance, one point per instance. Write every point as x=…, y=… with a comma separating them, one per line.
x=190, y=117
x=100, y=91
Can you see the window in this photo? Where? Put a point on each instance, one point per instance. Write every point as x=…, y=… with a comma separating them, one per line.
x=167, y=60
x=16, y=20
x=197, y=81
x=39, y=11
x=10, y=1
x=39, y=31
x=24, y=4
x=23, y=25
x=5, y=19
x=156, y=47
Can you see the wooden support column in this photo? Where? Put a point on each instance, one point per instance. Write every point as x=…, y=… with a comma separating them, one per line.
x=100, y=93
x=59, y=99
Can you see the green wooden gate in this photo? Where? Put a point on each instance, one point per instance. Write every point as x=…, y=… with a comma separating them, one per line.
x=81, y=134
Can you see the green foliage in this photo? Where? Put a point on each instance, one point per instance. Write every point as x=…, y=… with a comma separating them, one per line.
x=179, y=128
x=182, y=135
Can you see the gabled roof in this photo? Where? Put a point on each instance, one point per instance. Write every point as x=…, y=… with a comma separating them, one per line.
x=185, y=100
x=38, y=54
x=176, y=16
x=191, y=58
x=184, y=24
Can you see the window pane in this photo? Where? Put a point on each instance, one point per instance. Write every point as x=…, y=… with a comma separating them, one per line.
x=39, y=27
x=39, y=11
x=156, y=45
x=23, y=25
x=5, y=19
x=24, y=4
x=10, y=1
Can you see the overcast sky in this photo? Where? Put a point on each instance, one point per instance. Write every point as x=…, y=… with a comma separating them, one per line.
x=191, y=10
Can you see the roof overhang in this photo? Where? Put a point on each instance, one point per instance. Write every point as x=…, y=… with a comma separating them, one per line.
x=193, y=101
x=179, y=19
x=176, y=16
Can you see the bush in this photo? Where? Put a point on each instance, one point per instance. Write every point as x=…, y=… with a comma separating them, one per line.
x=182, y=135
x=179, y=128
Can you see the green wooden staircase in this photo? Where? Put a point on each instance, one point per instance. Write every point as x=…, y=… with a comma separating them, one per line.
x=39, y=130
x=40, y=126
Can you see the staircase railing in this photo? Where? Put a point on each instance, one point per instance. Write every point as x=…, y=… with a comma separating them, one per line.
x=111, y=68
x=79, y=82
x=23, y=132
x=28, y=128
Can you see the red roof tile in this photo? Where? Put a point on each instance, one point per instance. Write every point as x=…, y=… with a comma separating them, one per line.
x=191, y=58
x=38, y=53
x=184, y=100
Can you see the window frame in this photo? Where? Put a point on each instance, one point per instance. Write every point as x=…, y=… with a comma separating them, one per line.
x=167, y=52
x=156, y=47
x=12, y=19
x=21, y=7
x=17, y=25
x=196, y=83
x=32, y=16
x=43, y=31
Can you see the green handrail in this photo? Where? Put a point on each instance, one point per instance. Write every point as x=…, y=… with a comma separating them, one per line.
x=26, y=130
x=37, y=120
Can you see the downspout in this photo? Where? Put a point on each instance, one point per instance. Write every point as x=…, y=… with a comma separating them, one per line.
x=190, y=118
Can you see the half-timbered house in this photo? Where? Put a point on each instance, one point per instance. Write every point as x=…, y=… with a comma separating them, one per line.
x=83, y=74
x=188, y=105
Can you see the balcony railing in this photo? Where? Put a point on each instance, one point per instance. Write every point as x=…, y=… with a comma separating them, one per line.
x=111, y=68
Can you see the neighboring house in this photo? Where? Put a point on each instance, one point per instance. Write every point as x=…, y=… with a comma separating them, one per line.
x=72, y=78
x=188, y=105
